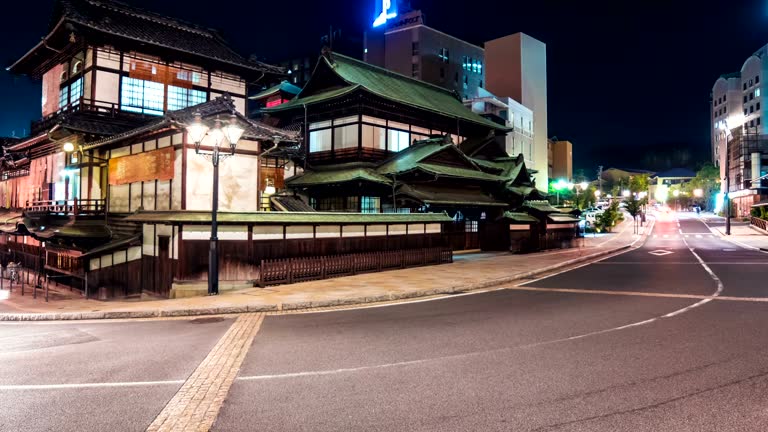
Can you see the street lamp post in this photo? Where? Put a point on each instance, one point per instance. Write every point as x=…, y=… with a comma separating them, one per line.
x=231, y=133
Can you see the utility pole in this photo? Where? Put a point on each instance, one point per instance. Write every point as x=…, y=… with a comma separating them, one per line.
x=600, y=178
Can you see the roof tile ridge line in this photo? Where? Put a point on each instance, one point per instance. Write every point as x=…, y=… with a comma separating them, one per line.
x=165, y=120
x=243, y=61
x=348, y=89
x=148, y=15
x=395, y=74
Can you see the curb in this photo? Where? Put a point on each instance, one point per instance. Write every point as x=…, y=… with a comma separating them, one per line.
x=225, y=310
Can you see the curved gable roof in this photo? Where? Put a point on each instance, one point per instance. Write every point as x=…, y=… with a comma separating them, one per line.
x=382, y=83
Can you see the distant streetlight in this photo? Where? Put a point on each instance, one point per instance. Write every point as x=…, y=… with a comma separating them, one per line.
x=625, y=193
x=698, y=193
x=597, y=194
x=584, y=185
x=676, y=193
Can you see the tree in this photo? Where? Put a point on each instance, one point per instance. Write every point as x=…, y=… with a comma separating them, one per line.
x=639, y=183
x=708, y=181
x=634, y=208
x=608, y=218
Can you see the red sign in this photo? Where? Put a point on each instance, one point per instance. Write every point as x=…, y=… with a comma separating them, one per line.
x=147, y=166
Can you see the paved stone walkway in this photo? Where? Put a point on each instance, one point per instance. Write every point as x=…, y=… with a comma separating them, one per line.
x=197, y=403
x=468, y=272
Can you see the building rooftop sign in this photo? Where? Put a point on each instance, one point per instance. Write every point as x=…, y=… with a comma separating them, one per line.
x=385, y=11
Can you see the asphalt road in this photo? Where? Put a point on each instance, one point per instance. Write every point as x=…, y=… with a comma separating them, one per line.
x=631, y=343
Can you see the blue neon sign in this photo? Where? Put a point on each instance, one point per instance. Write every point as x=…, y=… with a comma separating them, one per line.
x=386, y=9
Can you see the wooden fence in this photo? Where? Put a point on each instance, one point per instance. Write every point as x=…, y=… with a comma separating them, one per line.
x=290, y=270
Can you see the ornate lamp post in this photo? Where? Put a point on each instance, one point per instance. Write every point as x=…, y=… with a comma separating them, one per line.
x=219, y=136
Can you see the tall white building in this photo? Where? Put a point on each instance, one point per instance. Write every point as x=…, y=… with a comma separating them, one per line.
x=516, y=68
x=737, y=102
x=726, y=109
x=514, y=115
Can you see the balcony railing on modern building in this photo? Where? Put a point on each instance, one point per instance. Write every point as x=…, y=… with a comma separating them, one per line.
x=74, y=207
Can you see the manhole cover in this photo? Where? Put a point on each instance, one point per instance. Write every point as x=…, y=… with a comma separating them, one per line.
x=206, y=320
x=660, y=252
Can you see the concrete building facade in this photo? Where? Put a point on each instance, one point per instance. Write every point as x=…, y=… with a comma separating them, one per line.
x=560, y=155
x=512, y=114
x=516, y=67
x=406, y=45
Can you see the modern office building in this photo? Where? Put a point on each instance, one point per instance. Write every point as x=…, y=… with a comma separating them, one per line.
x=560, y=155
x=406, y=45
x=726, y=108
x=737, y=103
x=516, y=67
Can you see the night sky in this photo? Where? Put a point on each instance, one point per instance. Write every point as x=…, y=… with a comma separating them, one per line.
x=626, y=79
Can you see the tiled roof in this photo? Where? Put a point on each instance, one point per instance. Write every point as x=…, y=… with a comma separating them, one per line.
x=337, y=176
x=284, y=87
x=117, y=19
x=676, y=173
x=389, y=85
x=290, y=204
x=445, y=196
x=520, y=218
x=221, y=105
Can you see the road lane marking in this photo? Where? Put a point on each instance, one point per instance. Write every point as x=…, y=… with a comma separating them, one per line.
x=198, y=402
x=76, y=386
x=643, y=294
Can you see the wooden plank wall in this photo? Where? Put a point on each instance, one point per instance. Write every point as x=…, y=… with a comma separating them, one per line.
x=238, y=261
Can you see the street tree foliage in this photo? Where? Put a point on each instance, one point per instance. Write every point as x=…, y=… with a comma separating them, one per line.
x=608, y=218
x=634, y=206
x=708, y=180
x=639, y=183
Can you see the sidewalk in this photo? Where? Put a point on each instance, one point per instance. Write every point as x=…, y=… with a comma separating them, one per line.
x=743, y=235
x=467, y=272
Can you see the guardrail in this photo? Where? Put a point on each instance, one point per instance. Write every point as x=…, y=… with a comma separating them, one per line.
x=290, y=270
x=73, y=207
x=759, y=223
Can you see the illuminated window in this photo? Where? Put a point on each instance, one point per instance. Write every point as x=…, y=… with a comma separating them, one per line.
x=142, y=96
x=345, y=136
x=370, y=205
x=64, y=97
x=398, y=139
x=180, y=98
x=374, y=137
x=320, y=140
x=76, y=91
x=757, y=92
x=471, y=226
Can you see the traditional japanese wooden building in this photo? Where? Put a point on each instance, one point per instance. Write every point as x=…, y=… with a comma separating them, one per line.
x=108, y=193
x=378, y=141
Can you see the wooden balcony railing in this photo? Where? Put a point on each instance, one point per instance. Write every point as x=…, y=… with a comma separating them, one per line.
x=103, y=108
x=75, y=207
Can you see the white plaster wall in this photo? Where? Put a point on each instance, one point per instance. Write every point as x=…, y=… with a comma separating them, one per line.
x=225, y=232
x=238, y=180
x=106, y=59
x=107, y=87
